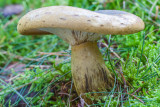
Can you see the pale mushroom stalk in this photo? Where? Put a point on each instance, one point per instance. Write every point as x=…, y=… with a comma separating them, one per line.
x=82, y=28
x=89, y=71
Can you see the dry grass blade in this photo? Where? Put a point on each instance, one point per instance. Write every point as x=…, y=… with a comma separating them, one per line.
x=157, y=10
x=11, y=21
x=154, y=4
x=38, y=59
x=41, y=66
x=20, y=57
x=54, y=53
x=13, y=78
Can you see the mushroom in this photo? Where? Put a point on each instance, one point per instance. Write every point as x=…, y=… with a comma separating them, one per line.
x=81, y=29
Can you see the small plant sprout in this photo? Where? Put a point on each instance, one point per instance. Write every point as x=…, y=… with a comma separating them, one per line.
x=81, y=29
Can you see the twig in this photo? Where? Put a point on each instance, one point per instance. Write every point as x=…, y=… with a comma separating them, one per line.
x=64, y=93
x=113, y=52
x=137, y=90
x=136, y=98
x=124, y=81
x=66, y=83
x=74, y=99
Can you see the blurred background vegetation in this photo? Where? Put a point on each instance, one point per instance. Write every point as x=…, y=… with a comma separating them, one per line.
x=35, y=70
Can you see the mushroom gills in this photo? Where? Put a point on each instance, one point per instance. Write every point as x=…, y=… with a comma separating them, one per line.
x=73, y=37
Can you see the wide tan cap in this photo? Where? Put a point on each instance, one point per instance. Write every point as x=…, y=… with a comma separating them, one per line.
x=66, y=17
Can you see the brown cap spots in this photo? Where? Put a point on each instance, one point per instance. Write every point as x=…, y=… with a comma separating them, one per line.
x=63, y=17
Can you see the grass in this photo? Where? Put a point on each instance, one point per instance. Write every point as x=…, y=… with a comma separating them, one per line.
x=42, y=79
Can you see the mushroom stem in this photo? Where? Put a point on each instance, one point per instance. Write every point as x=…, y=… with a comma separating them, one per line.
x=89, y=71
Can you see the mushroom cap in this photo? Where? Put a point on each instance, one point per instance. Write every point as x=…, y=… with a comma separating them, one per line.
x=66, y=17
